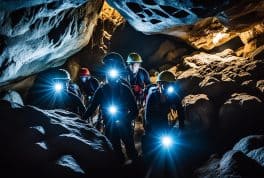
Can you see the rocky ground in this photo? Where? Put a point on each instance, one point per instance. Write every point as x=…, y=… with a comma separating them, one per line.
x=245, y=159
x=51, y=143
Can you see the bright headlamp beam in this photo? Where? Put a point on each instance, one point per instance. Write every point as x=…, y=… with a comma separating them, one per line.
x=58, y=87
x=166, y=141
x=170, y=89
x=112, y=110
x=113, y=73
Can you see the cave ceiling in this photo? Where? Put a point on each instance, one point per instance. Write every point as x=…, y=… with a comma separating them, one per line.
x=203, y=24
x=36, y=35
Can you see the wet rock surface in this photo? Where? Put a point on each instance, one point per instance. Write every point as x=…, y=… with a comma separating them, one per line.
x=51, y=143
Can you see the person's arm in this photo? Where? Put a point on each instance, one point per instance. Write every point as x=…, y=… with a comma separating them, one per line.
x=93, y=104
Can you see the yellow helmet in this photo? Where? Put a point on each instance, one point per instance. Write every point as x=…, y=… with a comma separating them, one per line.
x=134, y=58
x=166, y=76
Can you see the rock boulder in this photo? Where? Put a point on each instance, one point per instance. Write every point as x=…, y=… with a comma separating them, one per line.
x=51, y=143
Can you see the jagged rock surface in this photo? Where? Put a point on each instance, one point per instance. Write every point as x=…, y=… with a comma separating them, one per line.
x=51, y=143
x=12, y=96
x=203, y=24
x=221, y=92
x=37, y=35
x=235, y=163
x=199, y=113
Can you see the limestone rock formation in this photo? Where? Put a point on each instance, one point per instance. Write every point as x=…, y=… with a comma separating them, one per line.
x=242, y=112
x=37, y=35
x=249, y=143
x=258, y=155
x=253, y=146
x=235, y=163
x=108, y=22
x=218, y=91
x=12, y=96
x=203, y=24
x=51, y=143
x=158, y=16
x=222, y=90
x=200, y=113
x=223, y=70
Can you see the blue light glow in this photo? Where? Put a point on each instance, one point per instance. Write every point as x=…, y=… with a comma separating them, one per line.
x=112, y=110
x=170, y=90
x=113, y=73
x=166, y=141
x=58, y=87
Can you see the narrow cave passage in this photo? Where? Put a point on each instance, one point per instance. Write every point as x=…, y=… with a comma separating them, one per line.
x=132, y=88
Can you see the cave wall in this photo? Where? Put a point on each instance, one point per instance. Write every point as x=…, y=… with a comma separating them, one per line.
x=37, y=35
x=91, y=55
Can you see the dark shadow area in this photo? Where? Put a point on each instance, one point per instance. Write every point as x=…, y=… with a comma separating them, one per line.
x=127, y=39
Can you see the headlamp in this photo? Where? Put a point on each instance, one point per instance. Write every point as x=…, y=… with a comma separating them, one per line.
x=113, y=73
x=58, y=87
x=166, y=141
x=112, y=110
x=83, y=78
x=170, y=90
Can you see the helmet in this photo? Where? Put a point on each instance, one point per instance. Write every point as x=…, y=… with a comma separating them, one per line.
x=84, y=72
x=134, y=58
x=166, y=76
x=113, y=58
x=62, y=74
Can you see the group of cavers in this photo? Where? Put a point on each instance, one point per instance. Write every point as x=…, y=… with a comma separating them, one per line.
x=115, y=101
